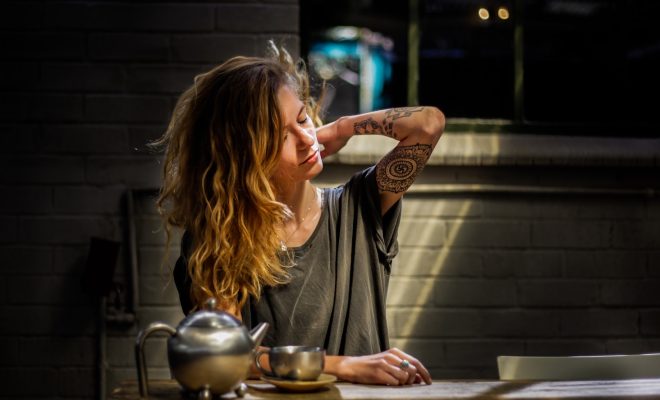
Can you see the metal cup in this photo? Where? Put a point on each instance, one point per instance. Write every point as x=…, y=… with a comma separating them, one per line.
x=297, y=363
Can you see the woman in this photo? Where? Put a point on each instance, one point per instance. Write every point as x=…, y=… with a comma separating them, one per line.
x=241, y=149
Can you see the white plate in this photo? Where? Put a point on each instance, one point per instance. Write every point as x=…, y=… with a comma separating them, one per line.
x=636, y=366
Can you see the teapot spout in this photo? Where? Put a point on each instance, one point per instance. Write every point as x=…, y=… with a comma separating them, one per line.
x=258, y=333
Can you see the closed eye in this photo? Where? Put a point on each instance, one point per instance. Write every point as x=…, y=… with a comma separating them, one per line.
x=304, y=120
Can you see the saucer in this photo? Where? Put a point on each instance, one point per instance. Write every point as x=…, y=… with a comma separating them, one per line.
x=300, y=386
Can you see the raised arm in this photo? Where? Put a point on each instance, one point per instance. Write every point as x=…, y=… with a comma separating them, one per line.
x=417, y=129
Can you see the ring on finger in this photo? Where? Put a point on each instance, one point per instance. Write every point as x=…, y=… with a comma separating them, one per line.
x=404, y=364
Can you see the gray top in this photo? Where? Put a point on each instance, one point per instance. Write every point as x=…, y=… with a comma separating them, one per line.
x=336, y=296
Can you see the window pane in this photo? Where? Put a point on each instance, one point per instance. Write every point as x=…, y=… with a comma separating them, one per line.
x=591, y=61
x=466, y=58
x=361, y=48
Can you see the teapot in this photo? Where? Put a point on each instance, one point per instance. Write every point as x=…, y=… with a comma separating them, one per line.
x=209, y=352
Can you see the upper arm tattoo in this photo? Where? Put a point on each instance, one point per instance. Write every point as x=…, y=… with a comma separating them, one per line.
x=370, y=126
x=397, y=171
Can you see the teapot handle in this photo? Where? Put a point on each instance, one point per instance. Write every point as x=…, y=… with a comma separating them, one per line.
x=139, y=352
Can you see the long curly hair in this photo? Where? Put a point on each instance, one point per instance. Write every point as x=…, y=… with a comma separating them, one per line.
x=222, y=147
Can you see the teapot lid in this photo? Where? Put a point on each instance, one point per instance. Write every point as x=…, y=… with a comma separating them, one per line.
x=210, y=317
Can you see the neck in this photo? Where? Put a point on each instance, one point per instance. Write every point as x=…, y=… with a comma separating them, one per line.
x=299, y=198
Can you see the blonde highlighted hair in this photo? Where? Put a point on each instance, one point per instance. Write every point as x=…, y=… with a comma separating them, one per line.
x=222, y=146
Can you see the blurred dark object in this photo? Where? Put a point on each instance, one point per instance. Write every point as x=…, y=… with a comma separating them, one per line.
x=97, y=279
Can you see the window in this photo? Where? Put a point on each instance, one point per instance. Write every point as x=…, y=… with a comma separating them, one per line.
x=587, y=66
x=591, y=62
x=466, y=59
x=361, y=48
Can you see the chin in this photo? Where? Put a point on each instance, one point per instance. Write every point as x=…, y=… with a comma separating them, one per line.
x=316, y=169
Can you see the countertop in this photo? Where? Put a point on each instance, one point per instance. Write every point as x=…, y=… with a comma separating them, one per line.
x=440, y=389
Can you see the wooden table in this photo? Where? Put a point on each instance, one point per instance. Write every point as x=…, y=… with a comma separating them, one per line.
x=458, y=389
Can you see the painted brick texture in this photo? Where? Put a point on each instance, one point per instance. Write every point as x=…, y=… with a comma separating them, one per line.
x=85, y=86
x=525, y=274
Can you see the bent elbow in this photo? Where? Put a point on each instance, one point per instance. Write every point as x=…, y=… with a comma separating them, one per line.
x=435, y=123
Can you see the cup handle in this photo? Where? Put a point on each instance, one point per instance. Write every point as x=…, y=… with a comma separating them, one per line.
x=258, y=354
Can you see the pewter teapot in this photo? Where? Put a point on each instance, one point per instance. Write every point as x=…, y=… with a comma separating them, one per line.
x=209, y=353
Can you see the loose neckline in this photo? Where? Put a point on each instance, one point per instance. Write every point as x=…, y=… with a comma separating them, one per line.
x=298, y=250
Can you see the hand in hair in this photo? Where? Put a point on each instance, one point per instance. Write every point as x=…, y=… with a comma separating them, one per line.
x=332, y=138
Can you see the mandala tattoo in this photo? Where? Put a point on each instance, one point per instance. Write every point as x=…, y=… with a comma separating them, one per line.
x=370, y=126
x=399, y=168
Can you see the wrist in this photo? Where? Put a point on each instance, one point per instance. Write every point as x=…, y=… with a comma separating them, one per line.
x=333, y=366
x=343, y=127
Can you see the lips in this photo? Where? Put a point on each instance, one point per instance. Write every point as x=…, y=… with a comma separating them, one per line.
x=311, y=156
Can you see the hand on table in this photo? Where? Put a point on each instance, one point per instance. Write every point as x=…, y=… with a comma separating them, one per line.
x=391, y=367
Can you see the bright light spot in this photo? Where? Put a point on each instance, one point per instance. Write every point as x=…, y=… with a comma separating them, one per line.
x=425, y=293
x=503, y=13
x=344, y=33
x=326, y=72
x=484, y=14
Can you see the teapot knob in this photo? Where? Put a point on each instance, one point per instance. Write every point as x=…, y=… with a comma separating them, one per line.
x=211, y=304
x=241, y=390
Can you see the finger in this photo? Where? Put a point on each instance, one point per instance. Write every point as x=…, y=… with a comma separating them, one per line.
x=412, y=360
x=423, y=372
x=383, y=378
x=395, y=371
x=418, y=378
x=324, y=136
x=410, y=370
x=328, y=151
x=412, y=373
x=404, y=365
x=323, y=131
x=392, y=358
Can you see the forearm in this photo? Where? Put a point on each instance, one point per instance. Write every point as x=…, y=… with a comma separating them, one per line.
x=407, y=124
x=384, y=368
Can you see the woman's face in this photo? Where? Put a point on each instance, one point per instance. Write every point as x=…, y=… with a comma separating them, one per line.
x=300, y=159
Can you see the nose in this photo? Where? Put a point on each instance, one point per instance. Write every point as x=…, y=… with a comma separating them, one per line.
x=306, y=137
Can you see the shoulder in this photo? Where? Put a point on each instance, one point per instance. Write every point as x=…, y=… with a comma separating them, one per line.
x=362, y=186
x=358, y=195
x=362, y=181
x=358, y=183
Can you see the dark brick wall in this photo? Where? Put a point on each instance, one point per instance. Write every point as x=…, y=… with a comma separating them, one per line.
x=84, y=86
x=525, y=274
